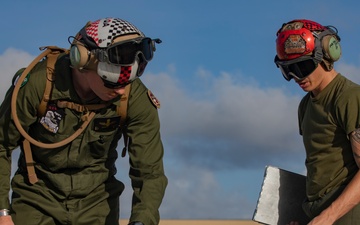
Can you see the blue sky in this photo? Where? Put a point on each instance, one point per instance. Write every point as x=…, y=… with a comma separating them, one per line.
x=226, y=112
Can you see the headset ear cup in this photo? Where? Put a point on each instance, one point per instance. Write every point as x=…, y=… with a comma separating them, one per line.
x=79, y=56
x=331, y=47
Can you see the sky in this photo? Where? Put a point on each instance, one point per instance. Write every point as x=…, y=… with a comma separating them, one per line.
x=226, y=111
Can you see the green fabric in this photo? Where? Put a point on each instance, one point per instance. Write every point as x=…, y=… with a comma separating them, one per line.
x=37, y=206
x=77, y=170
x=325, y=122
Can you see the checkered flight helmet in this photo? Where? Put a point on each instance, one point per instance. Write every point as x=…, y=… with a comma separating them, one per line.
x=92, y=49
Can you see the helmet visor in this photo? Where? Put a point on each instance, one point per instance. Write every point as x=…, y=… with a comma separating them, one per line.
x=298, y=68
x=112, y=85
x=125, y=52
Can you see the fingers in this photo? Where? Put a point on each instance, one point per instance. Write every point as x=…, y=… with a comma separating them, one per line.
x=293, y=223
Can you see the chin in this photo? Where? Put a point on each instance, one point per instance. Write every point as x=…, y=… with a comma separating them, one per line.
x=108, y=97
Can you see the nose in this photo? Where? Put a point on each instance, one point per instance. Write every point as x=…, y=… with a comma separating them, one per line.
x=120, y=91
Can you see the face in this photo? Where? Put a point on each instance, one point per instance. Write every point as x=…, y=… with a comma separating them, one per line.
x=90, y=80
x=96, y=84
x=315, y=82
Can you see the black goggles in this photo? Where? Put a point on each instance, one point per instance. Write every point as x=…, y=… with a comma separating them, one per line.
x=125, y=52
x=112, y=85
x=298, y=68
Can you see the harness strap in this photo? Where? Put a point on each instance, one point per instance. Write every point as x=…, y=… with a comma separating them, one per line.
x=50, y=76
x=17, y=123
x=80, y=108
x=28, y=139
x=52, y=52
x=29, y=162
x=122, y=110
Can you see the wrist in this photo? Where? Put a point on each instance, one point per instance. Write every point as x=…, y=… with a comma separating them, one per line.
x=4, y=212
x=136, y=223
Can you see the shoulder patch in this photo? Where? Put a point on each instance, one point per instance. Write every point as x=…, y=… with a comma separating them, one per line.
x=153, y=99
x=24, y=81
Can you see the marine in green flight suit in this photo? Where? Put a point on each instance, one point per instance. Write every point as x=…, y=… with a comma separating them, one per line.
x=76, y=182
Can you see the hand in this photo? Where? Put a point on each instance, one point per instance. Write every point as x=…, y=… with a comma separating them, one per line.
x=325, y=217
x=132, y=223
x=321, y=220
x=6, y=220
x=293, y=223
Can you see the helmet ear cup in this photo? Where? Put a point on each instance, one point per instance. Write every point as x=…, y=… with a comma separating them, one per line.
x=79, y=56
x=331, y=47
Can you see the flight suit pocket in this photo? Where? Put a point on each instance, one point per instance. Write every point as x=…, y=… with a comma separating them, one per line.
x=102, y=138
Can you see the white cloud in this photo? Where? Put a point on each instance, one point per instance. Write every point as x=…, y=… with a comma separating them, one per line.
x=222, y=123
x=195, y=193
x=211, y=125
x=10, y=61
x=237, y=123
x=350, y=71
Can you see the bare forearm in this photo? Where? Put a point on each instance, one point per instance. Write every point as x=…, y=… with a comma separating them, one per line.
x=348, y=199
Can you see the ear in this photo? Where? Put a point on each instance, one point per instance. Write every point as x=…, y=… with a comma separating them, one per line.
x=331, y=47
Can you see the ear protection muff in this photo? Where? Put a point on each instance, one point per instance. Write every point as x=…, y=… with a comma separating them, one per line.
x=82, y=58
x=79, y=56
x=327, y=47
x=331, y=48
x=330, y=44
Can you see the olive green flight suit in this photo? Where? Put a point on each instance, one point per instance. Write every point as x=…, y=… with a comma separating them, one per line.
x=76, y=181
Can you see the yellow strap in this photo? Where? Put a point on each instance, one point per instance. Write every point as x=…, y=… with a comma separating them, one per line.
x=28, y=139
x=50, y=76
x=29, y=162
x=27, y=148
x=122, y=111
x=80, y=108
x=16, y=119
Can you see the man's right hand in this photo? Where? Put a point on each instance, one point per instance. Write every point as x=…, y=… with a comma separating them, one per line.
x=6, y=220
x=293, y=223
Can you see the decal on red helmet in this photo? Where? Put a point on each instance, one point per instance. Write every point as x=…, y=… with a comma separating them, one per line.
x=294, y=44
x=312, y=26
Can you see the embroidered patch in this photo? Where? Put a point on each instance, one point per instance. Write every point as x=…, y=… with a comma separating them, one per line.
x=52, y=118
x=153, y=99
x=106, y=124
x=24, y=81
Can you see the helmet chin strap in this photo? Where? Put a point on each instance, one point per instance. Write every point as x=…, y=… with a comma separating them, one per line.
x=118, y=74
x=328, y=65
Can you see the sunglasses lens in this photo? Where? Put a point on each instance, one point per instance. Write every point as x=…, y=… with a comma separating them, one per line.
x=121, y=54
x=146, y=49
x=303, y=69
x=298, y=70
x=114, y=85
x=125, y=53
x=285, y=72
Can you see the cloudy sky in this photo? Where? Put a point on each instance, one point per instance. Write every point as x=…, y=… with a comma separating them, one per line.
x=226, y=112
